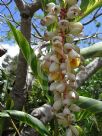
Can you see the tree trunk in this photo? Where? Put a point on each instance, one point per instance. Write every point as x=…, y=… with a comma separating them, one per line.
x=19, y=89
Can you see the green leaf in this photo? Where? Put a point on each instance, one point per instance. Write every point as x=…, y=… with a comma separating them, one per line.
x=90, y=104
x=25, y=48
x=88, y=6
x=92, y=51
x=31, y=58
x=27, y=119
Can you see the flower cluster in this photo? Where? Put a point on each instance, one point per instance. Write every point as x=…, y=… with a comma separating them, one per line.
x=63, y=59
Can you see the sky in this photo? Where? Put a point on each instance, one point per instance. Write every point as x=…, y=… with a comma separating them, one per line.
x=10, y=44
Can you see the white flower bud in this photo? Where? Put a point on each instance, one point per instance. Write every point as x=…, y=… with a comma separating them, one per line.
x=69, y=38
x=73, y=12
x=73, y=54
x=54, y=58
x=73, y=95
x=57, y=96
x=71, y=2
x=60, y=87
x=54, y=67
x=57, y=105
x=49, y=35
x=50, y=6
x=45, y=65
x=53, y=86
x=56, y=9
x=57, y=40
x=69, y=132
x=74, y=130
x=71, y=118
x=67, y=101
x=66, y=111
x=68, y=47
x=50, y=78
x=64, y=25
x=73, y=84
x=74, y=108
x=63, y=66
x=61, y=119
x=75, y=28
x=48, y=20
x=71, y=77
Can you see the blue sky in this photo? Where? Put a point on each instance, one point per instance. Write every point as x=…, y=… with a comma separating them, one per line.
x=88, y=30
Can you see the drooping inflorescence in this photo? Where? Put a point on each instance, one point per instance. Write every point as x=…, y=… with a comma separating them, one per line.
x=63, y=59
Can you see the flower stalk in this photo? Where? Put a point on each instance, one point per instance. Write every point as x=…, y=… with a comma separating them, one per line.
x=62, y=61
